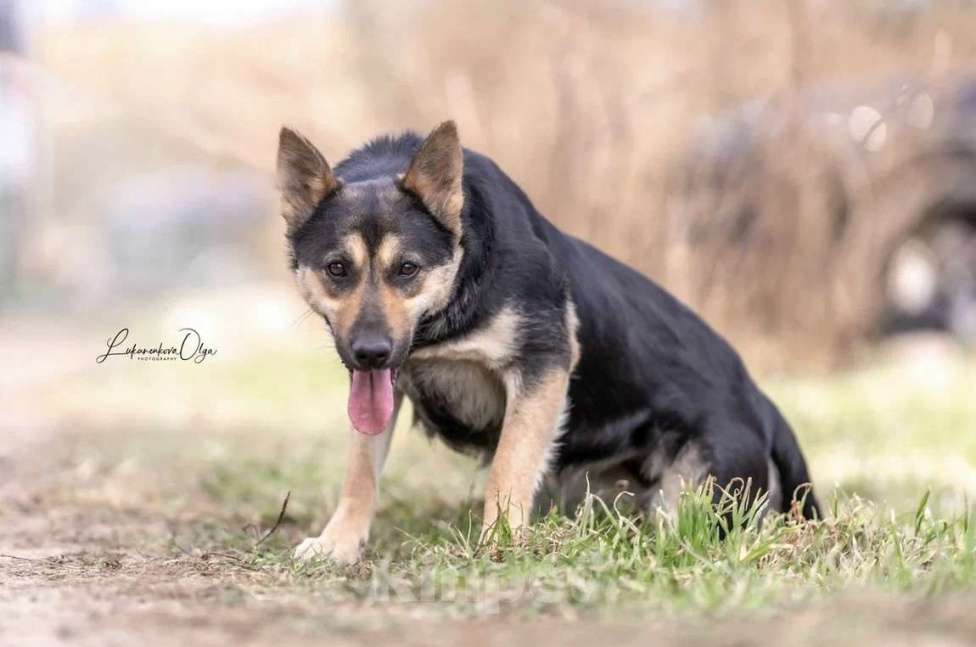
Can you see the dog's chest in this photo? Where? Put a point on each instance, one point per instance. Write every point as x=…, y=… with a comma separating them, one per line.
x=461, y=401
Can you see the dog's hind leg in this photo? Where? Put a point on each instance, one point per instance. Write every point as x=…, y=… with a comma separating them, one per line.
x=740, y=464
x=345, y=535
x=730, y=454
x=533, y=421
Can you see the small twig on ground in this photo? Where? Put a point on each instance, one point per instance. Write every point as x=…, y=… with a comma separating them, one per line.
x=210, y=554
x=23, y=559
x=237, y=560
x=281, y=515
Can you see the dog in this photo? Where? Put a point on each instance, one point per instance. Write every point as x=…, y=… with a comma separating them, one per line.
x=566, y=369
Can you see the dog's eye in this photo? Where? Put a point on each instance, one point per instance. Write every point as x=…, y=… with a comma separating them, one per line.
x=408, y=269
x=336, y=269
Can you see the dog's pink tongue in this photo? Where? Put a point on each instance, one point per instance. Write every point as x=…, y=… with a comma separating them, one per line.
x=371, y=400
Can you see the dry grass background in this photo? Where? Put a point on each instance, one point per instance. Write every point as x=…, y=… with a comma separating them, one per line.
x=591, y=106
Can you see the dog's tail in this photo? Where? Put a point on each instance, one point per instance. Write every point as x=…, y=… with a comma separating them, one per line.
x=793, y=475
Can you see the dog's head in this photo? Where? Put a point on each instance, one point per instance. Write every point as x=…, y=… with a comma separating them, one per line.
x=373, y=256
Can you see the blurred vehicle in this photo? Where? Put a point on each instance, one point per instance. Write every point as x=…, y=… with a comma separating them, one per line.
x=870, y=193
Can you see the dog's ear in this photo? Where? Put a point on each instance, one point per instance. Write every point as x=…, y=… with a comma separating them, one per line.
x=435, y=174
x=304, y=178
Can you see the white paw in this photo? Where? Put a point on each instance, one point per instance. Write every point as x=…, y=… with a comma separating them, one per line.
x=338, y=546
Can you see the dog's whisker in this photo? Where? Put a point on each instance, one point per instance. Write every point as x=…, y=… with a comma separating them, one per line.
x=302, y=317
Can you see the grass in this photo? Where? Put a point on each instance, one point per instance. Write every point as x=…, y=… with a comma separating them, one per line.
x=898, y=535
x=610, y=563
x=891, y=447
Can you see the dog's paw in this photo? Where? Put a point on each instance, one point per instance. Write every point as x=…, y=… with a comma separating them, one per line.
x=342, y=548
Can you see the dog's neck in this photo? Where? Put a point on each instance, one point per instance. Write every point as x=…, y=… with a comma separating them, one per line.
x=465, y=310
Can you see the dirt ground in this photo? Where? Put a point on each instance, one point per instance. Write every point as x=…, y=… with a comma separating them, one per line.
x=81, y=570
x=84, y=577
x=120, y=525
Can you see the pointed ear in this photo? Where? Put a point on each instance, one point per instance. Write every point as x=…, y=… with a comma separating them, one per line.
x=304, y=178
x=435, y=174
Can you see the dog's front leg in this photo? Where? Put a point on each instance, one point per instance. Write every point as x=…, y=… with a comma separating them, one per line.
x=532, y=423
x=345, y=535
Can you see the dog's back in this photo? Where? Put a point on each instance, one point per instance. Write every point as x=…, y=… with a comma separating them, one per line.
x=654, y=384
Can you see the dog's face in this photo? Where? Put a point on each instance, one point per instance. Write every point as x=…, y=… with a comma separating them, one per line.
x=373, y=257
x=372, y=262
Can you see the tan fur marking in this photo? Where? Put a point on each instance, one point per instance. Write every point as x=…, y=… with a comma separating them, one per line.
x=438, y=288
x=774, y=488
x=395, y=312
x=348, y=529
x=388, y=253
x=347, y=313
x=341, y=312
x=304, y=177
x=435, y=176
x=311, y=288
x=687, y=470
x=493, y=344
x=355, y=246
x=475, y=394
x=396, y=309
x=437, y=282
x=532, y=424
x=572, y=329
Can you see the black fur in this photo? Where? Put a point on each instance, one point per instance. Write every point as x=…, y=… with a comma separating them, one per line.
x=651, y=377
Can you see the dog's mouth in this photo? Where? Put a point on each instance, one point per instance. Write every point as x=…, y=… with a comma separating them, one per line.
x=371, y=399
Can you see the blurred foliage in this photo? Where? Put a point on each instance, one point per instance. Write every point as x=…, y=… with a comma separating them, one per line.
x=599, y=110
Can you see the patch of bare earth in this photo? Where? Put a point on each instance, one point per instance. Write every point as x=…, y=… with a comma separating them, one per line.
x=84, y=570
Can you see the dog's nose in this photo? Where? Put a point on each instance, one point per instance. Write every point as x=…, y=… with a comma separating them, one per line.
x=372, y=351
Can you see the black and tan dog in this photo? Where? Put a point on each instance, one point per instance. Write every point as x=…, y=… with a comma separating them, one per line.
x=439, y=280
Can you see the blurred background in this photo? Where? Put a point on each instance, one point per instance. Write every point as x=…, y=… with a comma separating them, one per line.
x=801, y=172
